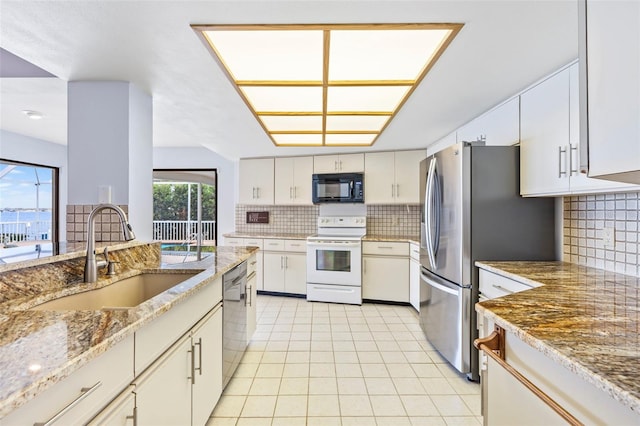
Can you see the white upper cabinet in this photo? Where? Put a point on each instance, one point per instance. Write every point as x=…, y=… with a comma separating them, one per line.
x=343, y=163
x=549, y=147
x=499, y=126
x=256, y=181
x=611, y=49
x=393, y=177
x=293, y=180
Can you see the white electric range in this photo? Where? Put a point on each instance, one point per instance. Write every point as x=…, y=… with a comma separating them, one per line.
x=334, y=260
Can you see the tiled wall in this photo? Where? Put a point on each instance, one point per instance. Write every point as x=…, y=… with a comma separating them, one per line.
x=382, y=220
x=107, y=228
x=586, y=216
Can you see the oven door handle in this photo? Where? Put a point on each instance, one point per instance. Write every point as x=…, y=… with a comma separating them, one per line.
x=335, y=244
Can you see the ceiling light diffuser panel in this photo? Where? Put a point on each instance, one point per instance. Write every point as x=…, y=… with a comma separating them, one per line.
x=331, y=85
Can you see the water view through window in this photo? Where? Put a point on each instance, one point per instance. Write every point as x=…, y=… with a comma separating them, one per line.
x=27, y=211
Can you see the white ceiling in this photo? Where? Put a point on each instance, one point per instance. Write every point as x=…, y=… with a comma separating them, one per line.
x=504, y=47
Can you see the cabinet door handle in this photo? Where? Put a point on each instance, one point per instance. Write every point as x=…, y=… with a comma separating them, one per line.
x=286, y=262
x=573, y=148
x=290, y=192
x=253, y=192
x=295, y=192
x=199, y=345
x=258, y=192
x=84, y=392
x=385, y=247
x=499, y=287
x=134, y=417
x=397, y=190
x=249, y=296
x=561, y=150
x=393, y=190
x=335, y=165
x=281, y=262
x=364, y=266
x=192, y=351
x=340, y=165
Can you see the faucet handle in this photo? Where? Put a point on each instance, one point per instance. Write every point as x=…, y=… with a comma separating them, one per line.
x=111, y=267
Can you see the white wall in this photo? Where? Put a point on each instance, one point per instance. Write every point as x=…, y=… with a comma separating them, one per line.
x=202, y=158
x=16, y=147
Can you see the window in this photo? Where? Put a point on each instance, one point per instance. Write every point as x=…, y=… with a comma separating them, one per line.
x=28, y=211
x=185, y=208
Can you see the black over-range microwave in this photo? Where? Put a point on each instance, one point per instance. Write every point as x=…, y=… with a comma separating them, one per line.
x=338, y=188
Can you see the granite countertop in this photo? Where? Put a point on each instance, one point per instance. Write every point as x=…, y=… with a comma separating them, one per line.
x=586, y=319
x=392, y=238
x=42, y=337
x=284, y=236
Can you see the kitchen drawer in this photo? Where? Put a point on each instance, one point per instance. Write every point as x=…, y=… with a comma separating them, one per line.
x=273, y=244
x=414, y=251
x=233, y=241
x=494, y=285
x=254, y=242
x=295, y=245
x=84, y=393
x=154, y=338
x=385, y=248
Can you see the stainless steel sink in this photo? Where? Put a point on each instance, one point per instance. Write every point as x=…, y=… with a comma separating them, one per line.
x=125, y=293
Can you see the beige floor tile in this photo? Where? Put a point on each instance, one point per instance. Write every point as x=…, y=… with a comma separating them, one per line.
x=265, y=386
x=321, y=345
x=274, y=357
x=323, y=421
x=301, y=336
x=393, y=421
x=323, y=406
x=246, y=370
x=400, y=370
x=408, y=386
x=351, y=386
x=259, y=406
x=270, y=370
x=462, y=421
x=222, y=421
x=384, y=345
x=448, y=371
x=317, y=336
x=322, y=370
x=355, y=405
x=277, y=345
x=252, y=357
x=427, y=421
x=366, y=346
x=295, y=370
x=426, y=370
x=348, y=370
x=390, y=357
x=321, y=356
x=350, y=357
x=438, y=386
x=409, y=345
x=323, y=386
x=289, y=421
x=343, y=345
x=291, y=406
x=464, y=387
x=374, y=370
x=406, y=336
x=358, y=421
x=382, y=336
x=369, y=357
x=254, y=421
x=387, y=405
x=417, y=357
x=451, y=405
x=229, y=406
x=380, y=386
x=473, y=403
x=294, y=386
x=300, y=345
x=419, y=405
x=238, y=386
x=341, y=335
x=298, y=357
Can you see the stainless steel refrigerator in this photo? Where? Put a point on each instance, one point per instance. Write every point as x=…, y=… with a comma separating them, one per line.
x=472, y=210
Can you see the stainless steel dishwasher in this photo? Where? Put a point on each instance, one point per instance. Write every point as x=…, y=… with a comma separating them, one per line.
x=234, y=320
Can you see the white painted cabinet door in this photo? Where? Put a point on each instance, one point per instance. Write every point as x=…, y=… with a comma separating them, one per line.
x=119, y=412
x=499, y=126
x=385, y=278
x=207, y=383
x=283, y=190
x=302, y=172
x=407, y=167
x=351, y=163
x=252, y=300
x=544, y=133
x=379, y=183
x=256, y=181
x=295, y=280
x=273, y=271
x=325, y=164
x=163, y=392
x=613, y=43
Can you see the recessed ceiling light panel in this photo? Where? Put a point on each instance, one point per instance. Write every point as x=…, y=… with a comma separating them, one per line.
x=334, y=84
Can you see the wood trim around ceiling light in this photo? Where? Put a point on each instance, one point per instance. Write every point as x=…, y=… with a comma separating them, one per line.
x=326, y=38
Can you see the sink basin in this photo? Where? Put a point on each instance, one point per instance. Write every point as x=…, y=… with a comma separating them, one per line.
x=125, y=293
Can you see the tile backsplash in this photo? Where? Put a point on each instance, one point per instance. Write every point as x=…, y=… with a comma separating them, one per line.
x=107, y=223
x=587, y=218
x=382, y=220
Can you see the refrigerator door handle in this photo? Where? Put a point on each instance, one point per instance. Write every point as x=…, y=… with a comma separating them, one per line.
x=438, y=194
x=438, y=286
x=428, y=206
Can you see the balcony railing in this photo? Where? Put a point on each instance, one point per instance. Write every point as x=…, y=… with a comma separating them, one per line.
x=12, y=232
x=182, y=230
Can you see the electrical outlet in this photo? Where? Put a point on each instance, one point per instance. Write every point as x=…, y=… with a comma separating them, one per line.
x=608, y=237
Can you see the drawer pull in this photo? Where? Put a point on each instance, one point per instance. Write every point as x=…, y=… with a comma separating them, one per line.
x=385, y=247
x=84, y=392
x=499, y=287
x=493, y=346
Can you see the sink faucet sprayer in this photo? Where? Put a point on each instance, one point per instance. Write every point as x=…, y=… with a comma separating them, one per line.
x=91, y=266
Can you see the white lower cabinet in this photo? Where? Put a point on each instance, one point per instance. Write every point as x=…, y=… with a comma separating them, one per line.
x=120, y=412
x=285, y=266
x=414, y=276
x=251, y=242
x=252, y=296
x=385, y=271
x=77, y=398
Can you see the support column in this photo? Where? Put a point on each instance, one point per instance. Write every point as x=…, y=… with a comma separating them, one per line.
x=110, y=157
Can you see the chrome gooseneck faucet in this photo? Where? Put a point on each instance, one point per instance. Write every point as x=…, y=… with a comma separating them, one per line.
x=91, y=266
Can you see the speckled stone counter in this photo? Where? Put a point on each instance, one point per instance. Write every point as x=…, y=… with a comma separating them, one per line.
x=283, y=236
x=392, y=238
x=60, y=342
x=586, y=319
